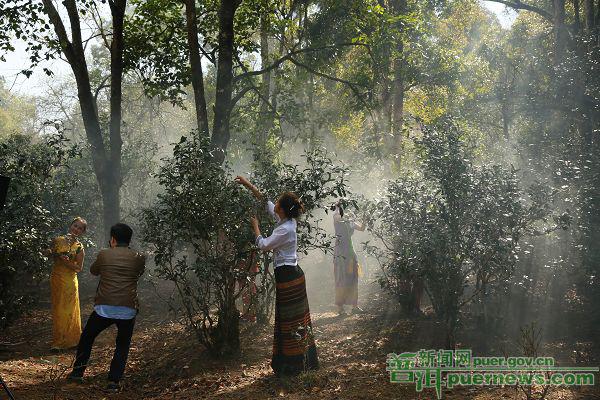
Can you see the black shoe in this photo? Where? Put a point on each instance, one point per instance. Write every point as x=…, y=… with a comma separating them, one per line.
x=113, y=386
x=75, y=378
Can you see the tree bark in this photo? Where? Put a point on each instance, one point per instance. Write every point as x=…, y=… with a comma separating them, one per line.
x=560, y=124
x=577, y=16
x=590, y=18
x=597, y=21
x=560, y=31
x=221, y=134
x=505, y=119
x=113, y=178
x=398, y=100
x=265, y=89
x=196, y=67
x=275, y=83
x=398, y=87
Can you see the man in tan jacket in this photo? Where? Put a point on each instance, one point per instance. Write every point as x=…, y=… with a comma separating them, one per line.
x=116, y=302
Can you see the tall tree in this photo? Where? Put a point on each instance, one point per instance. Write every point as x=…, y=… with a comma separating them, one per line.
x=399, y=7
x=41, y=24
x=265, y=115
x=226, y=34
x=221, y=134
x=562, y=99
x=106, y=155
x=196, y=67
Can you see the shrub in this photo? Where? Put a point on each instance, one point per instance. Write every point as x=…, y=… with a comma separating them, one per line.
x=200, y=233
x=453, y=224
x=38, y=205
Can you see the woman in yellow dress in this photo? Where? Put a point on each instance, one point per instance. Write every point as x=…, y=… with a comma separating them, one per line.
x=68, y=256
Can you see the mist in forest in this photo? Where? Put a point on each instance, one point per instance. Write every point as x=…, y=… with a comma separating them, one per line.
x=470, y=147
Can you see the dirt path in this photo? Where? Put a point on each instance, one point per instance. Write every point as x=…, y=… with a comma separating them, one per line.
x=166, y=363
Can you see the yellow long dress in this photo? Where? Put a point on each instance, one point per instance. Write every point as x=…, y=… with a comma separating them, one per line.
x=66, y=317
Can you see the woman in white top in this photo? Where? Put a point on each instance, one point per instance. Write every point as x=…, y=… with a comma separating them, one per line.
x=294, y=348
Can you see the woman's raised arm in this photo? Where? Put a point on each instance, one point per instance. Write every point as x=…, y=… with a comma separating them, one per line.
x=245, y=182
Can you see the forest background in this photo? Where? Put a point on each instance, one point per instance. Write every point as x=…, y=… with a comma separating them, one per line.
x=470, y=149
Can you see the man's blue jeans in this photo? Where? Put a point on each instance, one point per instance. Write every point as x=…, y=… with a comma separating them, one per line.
x=94, y=326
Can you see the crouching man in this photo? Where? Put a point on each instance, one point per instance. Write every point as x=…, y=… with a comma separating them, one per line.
x=116, y=302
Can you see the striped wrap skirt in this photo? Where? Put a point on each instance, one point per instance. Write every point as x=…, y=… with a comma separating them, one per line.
x=294, y=348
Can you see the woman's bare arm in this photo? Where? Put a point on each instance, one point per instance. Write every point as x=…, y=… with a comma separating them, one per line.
x=360, y=227
x=245, y=182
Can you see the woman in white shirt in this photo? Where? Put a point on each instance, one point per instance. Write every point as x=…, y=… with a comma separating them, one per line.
x=294, y=348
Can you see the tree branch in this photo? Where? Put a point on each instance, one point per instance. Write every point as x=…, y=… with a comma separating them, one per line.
x=60, y=30
x=253, y=87
x=209, y=55
x=240, y=94
x=88, y=40
x=290, y=54
x=351, y=85
x=517, y=5
x=75, y=27
x=100, y=26
x=102, y=85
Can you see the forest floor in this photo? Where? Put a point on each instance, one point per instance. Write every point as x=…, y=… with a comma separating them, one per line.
x=166, y=362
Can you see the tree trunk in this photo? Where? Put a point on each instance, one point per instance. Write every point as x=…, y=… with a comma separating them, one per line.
x=577, y=17
x=113, y=178
x=398, y=86
x=105, y=175
x=196, y=67
x=559, y=125
x=265, y=122
x=597, y=21
x=505, y=120
x=560, y=31
x=111, y=212
x=276, y=79
x=590, y=18
x=398, y=101
x=229, y=331
x=226, y=336
x=220, y=136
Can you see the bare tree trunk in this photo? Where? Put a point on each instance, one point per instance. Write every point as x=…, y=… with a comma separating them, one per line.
x=384, y=120
x=505, y=119
x=221, y=134
x=560, y=124
x=590, y=18
x=265, y=122
x=597, y=21
x=398, y=87
x=275, y=82
x=113, y=178
x=560, y=31
x=196, y=67
x=276, y=78
x=398, y=101
x=577, y=16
